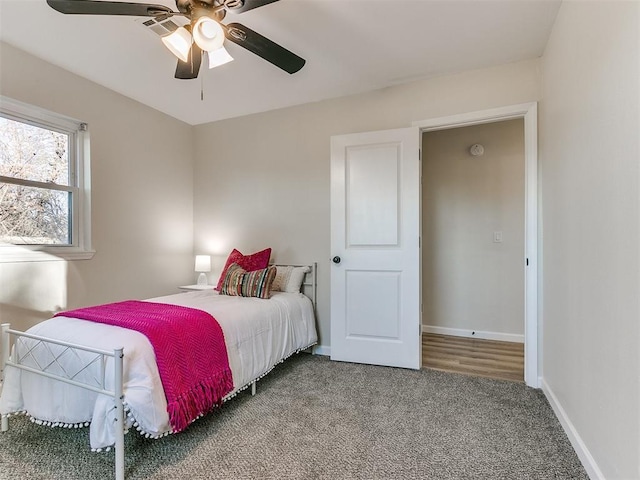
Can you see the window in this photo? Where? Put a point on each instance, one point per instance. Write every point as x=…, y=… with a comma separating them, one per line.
x=44, y=185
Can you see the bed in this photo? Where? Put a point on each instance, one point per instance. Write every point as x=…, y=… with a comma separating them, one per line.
x=69, y=372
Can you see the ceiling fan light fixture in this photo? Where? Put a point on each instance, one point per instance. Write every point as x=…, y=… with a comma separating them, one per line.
x=179, y=43
x=219, y=57
x=208, y=34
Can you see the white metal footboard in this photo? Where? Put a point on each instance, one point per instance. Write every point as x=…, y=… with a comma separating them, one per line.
x=53, y=367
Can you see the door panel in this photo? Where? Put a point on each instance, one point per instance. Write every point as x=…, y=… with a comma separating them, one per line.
x=372, y=195
x=375, y=229
x=366, y=319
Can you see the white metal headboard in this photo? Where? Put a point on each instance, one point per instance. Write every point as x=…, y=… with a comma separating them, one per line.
x=310, y=281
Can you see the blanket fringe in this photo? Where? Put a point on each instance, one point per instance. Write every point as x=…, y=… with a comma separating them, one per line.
x=200, y=399
x=46, y=423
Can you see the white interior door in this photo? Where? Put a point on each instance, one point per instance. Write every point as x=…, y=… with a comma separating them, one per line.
x=375, y=245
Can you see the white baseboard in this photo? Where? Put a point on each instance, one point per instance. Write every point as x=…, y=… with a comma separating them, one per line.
x=459, y=332
x=322, y=350
x=587, y=460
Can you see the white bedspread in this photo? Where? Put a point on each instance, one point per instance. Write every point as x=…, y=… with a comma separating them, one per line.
x=258, y=334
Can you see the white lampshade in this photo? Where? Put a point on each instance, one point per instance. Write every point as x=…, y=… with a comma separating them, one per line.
x=219, y=57
x=203, y=264
x=179, y=43
x=208, y=34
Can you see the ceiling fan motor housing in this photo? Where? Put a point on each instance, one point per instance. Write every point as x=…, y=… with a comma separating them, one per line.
x=197, y=8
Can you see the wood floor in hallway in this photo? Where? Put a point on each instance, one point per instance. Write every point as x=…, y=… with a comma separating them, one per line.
x=473, y=356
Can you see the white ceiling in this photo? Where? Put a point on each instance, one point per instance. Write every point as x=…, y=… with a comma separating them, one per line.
x=351, y=46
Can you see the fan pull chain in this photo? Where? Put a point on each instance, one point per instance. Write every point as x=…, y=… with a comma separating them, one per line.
x=202, y=88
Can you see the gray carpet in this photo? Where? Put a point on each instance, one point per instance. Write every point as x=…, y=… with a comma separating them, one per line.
x=317, y=419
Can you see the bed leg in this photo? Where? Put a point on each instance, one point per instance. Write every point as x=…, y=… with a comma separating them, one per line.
x=4, y=357
x=4, y=348
x=119, y=396
x=253, y=388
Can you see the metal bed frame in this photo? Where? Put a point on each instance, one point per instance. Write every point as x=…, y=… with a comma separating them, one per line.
x=99, y=357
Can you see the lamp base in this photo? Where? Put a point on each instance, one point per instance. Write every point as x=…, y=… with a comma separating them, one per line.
x=202, y=279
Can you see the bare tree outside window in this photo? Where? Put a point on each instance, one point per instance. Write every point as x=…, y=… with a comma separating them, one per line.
x=35, y=185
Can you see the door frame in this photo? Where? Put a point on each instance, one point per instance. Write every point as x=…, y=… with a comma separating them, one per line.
x=532, y=271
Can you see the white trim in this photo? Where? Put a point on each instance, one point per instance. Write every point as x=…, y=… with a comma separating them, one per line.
x=322, y=350
x=475, y=118
x=27, y=253
x=24, y=111
x=529, y=112
x=587, y=460
x=461, y=332
x=532, y=274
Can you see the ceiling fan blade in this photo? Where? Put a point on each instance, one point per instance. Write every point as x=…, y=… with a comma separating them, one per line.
x=248, y=5
x=263, y=47
x=189, y=70
x=91, y=7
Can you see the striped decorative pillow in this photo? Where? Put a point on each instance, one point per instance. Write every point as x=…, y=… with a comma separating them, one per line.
x=252, y=262
x=239, y=282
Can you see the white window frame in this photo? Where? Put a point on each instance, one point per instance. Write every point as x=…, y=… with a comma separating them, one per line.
x=80, y=185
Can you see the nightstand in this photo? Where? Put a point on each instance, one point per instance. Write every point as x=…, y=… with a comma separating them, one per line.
x=197, y=287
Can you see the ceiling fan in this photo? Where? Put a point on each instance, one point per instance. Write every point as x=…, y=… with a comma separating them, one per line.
x=203, y=34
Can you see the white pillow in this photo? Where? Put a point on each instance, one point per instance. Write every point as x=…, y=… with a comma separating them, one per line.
x=282, y=277
x=289, y=279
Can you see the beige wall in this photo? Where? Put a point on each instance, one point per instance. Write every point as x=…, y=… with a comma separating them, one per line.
x=263, y=180
x=469, y=281
x=142, y=198
x=589, y=164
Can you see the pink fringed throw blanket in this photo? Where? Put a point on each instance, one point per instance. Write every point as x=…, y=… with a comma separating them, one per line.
x=189, y=347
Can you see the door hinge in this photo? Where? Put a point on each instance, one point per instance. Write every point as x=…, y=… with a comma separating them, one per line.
x=527, y=262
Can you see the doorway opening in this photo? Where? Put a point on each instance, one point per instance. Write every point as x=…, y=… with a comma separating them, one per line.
x=472, y=249
x=529, y=251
